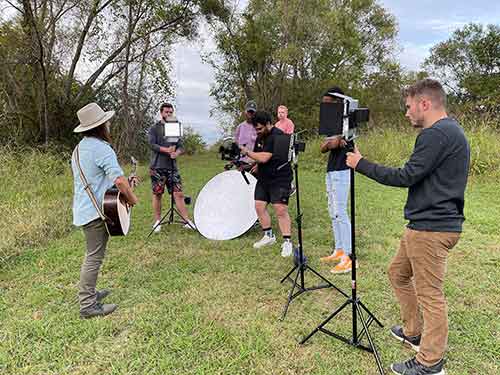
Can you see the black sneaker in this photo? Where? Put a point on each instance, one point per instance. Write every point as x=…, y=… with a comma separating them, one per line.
x=98, y=310
x=413, y=341
x=101, y=294
x=413, y=367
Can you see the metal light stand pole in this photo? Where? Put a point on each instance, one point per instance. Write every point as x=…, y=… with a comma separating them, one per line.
x=358, y=308
x=301, y=266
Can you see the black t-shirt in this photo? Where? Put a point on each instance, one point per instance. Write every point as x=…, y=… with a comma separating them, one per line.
x=337, y=159
x=269, y=172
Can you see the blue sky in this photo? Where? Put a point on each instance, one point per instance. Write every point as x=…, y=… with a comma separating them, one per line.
x=422, y=24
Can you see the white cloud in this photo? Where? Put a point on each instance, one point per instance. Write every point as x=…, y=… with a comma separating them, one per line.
x=189, y=85
x=412, y=55
x=443, y=25
x=193, y=77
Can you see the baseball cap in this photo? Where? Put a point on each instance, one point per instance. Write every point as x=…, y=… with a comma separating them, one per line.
x=251, y=106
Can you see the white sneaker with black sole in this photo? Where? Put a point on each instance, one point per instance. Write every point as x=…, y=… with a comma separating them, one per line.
x=265, y=241
x=286, y=249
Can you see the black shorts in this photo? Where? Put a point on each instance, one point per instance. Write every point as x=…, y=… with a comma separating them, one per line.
x=164, y=177
x=277, y=192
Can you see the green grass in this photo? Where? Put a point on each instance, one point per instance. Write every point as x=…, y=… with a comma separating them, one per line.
x=188, y=305
x=35, y=199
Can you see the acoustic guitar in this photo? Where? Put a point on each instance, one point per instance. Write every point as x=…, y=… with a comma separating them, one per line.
x=116, y=209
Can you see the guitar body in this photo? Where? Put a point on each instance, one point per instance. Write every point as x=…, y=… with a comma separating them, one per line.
x=117, y=211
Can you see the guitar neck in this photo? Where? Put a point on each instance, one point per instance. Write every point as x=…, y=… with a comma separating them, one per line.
x=132, y=178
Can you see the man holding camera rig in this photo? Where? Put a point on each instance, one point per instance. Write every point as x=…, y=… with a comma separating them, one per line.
x=274, y=177
x=163, y=159
x=436, y=176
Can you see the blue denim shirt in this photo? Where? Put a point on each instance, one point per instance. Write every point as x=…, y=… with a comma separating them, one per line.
x=100, y=166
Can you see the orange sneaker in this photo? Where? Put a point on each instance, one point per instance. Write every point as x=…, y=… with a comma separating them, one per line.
x=337, y=255
x=344, y=266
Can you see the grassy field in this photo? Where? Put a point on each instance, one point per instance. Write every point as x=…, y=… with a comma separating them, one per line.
x=188, y=305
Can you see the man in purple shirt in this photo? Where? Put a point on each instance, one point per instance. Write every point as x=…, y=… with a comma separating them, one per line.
x=245, y=134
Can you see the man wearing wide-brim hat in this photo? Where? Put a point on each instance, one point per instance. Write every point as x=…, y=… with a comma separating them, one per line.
x=95, y=159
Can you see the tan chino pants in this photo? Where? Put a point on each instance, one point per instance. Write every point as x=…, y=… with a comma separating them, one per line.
x=417, y=276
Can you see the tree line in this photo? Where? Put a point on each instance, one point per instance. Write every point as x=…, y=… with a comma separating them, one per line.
x=290, y=51
x=58, y=55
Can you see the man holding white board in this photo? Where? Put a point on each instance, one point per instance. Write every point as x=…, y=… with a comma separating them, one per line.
x=166, y=146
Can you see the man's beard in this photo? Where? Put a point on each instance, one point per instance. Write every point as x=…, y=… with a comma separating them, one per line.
x=262, y=136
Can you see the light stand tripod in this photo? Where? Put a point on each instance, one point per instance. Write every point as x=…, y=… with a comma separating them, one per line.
x=172, y=210
x=301, y=265
x=172, y=132
x=358, y=308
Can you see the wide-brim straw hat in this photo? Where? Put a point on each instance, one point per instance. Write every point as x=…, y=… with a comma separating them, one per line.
x=91, y=116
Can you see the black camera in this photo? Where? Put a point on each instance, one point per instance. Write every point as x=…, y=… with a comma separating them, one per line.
x=229, y=150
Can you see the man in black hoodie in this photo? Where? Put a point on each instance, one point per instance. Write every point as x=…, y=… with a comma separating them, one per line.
x=436, y=176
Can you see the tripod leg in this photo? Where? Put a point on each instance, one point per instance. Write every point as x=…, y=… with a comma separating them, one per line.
x=162, y=220
x=152, y=230
x=318, y=328
x=285, y=309
x=288, y=274
x=372, y=345
x=182, y=221
x=371, y=315
x=327, y=281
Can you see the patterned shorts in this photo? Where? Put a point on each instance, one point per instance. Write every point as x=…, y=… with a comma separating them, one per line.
x=161, y=177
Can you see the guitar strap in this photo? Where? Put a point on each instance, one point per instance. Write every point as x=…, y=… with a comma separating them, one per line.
x=86, y=185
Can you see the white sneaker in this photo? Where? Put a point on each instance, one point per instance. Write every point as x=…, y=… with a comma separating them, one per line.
x=190, y=225
x=264, y=241
x=286, y=249
x=157, y=227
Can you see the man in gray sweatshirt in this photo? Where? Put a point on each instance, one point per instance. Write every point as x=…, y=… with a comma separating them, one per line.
x=163, y=167
x=436, y=176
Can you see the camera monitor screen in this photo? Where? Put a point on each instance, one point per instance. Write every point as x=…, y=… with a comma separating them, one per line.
x=330, y=119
